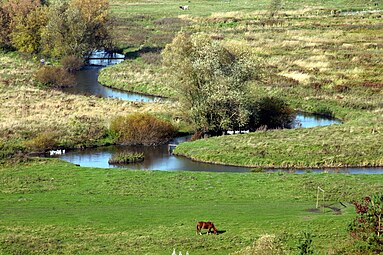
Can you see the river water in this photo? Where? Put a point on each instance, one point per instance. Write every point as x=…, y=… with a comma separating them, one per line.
x=159, y=157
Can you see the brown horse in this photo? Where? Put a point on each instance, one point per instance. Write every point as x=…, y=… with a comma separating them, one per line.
x=205, y=225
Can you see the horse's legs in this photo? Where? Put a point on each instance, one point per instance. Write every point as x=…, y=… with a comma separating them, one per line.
x=199, y=230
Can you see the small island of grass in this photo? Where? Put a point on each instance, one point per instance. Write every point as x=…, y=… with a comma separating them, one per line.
x=126, y=158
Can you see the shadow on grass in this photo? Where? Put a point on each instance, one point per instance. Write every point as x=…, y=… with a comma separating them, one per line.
x=137, y=53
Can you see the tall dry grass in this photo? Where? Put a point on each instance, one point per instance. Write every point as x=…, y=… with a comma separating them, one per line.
x=27, y=110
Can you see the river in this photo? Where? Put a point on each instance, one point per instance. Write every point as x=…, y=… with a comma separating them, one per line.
x=158, y=157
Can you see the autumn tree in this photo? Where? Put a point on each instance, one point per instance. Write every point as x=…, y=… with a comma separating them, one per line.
x=26, y=36
x=13, y=14
x=55, y=28
x=5, y=20
x=76, y=27
x=210, y=81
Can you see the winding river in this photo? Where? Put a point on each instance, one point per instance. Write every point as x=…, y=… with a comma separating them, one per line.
x=159, y=157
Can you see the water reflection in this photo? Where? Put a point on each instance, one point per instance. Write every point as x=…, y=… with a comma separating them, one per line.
x=306, y=120
x=103, y=58
x=156, y=158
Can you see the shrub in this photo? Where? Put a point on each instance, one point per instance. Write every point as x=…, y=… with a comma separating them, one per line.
x=368, y=226
x=54, y=76
x=271, y=112
x=72, y=63
x=126, y=157
x=9, y=148
x=42, y=142
x=142, y=128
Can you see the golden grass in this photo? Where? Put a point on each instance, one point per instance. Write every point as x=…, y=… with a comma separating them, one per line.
x=27, y=109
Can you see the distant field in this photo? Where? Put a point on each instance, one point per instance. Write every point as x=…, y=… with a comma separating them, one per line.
x=206, y=7
x=52, y=207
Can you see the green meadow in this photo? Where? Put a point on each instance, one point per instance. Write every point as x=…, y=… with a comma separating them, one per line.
x=316, y=56
x=52, y=207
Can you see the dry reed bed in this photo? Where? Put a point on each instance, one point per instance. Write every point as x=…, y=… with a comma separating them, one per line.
x=27, y=110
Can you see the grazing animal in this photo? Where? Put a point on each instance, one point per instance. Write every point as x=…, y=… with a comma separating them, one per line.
x=205, y=225
x=184, y=7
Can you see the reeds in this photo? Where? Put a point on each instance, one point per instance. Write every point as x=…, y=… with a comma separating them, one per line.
x=126, y=157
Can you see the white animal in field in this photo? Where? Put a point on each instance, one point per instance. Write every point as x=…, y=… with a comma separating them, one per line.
x=184, y=7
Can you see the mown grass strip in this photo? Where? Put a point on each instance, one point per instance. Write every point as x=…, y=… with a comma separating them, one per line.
x=48, y=206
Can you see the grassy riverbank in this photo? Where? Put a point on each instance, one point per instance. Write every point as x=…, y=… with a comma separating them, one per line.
x=323, y=58
x=47, y=206
x=32, y=115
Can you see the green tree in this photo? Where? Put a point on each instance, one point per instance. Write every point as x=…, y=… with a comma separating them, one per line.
x=270, y=112
x=210, y=81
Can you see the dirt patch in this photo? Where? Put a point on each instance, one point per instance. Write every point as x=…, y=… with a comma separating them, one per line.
x=333, y=208
x=314, y=210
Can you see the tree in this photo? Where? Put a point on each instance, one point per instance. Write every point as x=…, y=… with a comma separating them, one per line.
x=368, y=225
x=210, y=81
x=5, y=21
x=76, y=28
x=270, y=112
x=55, y=28
x=13, y=14
x=94, y=14
x=26, y=36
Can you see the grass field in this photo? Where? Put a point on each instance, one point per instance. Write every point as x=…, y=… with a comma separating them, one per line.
x=51, y=207
x=316, y=59
x=322, y=57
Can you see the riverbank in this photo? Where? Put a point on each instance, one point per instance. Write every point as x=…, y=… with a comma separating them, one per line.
x=38, y=117
x=319, y=147
x=319, y=61
x=49, y=206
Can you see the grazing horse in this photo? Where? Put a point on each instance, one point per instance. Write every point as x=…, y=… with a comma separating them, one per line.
x=205, y=225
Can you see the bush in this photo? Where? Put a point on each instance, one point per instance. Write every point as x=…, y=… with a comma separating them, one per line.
x=54, y=76
x=271, y=112
x=10, y=148
x=368, y=226
x=72, y=63
x=42, y=142
x=142, y=128
x=126, y=157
